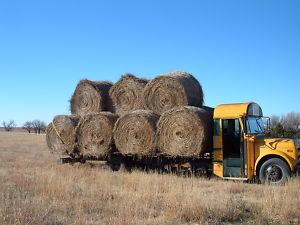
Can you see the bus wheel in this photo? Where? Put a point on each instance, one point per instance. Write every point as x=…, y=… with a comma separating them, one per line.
x=274, y=171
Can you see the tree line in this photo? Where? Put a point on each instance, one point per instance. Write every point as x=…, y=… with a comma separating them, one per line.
x=36, y=126
x=287, y=126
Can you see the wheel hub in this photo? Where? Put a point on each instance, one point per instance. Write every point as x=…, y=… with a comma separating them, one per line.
x=274, y=173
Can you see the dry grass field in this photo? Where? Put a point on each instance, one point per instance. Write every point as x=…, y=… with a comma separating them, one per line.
x=17, y=129
x=34, y=190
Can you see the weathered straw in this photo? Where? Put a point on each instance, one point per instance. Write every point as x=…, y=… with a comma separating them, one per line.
x=127, y=94
x=60, y=134
x=171, y=90
x=134, y=133
x=95, y=134
x=91, y=97
x=185, y=131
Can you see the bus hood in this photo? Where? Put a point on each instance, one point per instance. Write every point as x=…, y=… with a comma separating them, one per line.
x=284, y=145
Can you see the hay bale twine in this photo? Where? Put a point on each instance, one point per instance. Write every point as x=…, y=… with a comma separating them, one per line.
x=134, y=133
x=95, y=134
x=127, y=94
x=91, y=97
x=171, y=90
x=60, y=135
x=185, y=131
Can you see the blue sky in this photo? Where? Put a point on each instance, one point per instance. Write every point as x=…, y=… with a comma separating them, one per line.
x=238, y=50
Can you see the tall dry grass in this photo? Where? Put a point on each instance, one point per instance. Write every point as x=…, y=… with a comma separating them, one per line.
x=34, y=190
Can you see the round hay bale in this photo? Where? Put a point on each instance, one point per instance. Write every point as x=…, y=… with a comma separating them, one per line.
x=171, y=90
x=185, y=131
x=95, y=134
x=134, y=133
x=60, y=135
x=127, y=94
x=91, y=97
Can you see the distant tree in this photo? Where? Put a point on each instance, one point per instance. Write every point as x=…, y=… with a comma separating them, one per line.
x=290, y=132
x=38, y=126
x=298, y=134
x=275, y=120
x=286, y=126
x=291, y=121
x=8, y=126
x=28, y=126
x=278, y=131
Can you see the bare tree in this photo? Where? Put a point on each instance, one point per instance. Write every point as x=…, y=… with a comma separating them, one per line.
x=287, y=125
x=28, y=126
x=38, y=126
x=8, y=126
x=291, y=120
x=275, y=120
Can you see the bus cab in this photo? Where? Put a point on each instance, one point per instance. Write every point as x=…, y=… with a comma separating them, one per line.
x=242, y=150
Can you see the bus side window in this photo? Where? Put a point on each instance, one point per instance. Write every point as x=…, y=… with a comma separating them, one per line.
x=225, y=127
x=217, y=127
x=237, y=128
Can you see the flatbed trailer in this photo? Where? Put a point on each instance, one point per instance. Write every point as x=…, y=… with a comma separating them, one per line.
x=201, y=166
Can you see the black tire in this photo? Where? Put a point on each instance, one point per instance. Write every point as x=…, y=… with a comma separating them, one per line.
x=117, y=166
x=274, y=171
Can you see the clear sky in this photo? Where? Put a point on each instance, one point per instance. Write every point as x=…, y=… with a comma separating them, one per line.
x=239, y=50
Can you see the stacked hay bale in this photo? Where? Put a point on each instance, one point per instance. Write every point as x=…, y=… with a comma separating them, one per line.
x=127, y=94
x=172, y=90
x=134, y=133
x=137, y=132
x=95, y=134
x=89, y=131
x=185, y=131
x=60, y=135
x=91, y=97
x=161, y=116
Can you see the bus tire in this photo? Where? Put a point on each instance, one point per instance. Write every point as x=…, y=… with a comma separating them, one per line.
x=274, y=171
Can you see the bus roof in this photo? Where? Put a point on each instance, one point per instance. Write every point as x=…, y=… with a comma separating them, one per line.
x=237, y=110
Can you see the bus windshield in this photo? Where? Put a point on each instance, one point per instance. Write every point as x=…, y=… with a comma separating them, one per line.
x=256, y=125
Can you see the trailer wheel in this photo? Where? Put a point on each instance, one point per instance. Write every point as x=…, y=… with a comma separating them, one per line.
x=274, y=171
x=117, y=166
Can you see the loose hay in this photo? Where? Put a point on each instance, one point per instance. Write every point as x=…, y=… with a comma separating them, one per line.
x=127, y=94
x=95, y=134
x=134, y=133
x=60, y=134
x=171, y=90
x=185, y=131
x=91, y=97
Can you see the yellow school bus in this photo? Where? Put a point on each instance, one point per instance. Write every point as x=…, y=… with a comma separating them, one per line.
x=242, y=151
